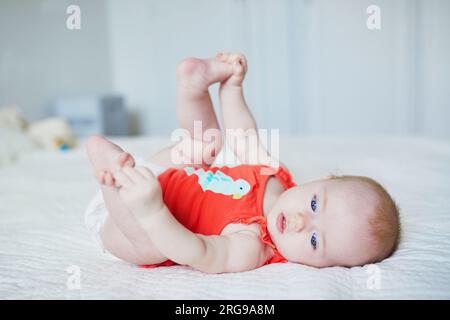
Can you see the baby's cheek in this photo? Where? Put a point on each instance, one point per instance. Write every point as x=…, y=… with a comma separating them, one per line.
x=293, y=250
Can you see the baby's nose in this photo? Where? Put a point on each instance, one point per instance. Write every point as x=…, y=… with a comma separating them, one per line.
x=299, y=222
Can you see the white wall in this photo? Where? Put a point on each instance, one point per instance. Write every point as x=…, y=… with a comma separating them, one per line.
x=314, y=65
x=393, y=80
x=357, y=79
x=433, y=68
x=149, y=38
x=41, y=59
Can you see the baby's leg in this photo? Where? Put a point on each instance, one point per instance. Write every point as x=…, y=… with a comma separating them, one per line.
x=120, y=235
x=194, y=76
x=114, y=240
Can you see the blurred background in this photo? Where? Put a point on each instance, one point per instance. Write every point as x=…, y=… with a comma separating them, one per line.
x=314, y=65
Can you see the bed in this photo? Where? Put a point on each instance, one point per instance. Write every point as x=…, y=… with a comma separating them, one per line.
x=47, y=253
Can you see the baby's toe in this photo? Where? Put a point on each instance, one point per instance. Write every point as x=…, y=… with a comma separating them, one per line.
x=101, y=177
x=126, y=160
x=109, y=179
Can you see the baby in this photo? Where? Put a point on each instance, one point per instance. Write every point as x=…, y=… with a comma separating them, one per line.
x=231, y=219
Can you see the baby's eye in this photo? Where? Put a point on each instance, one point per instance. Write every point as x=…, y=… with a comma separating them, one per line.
x=314, y=240
x=314, y=203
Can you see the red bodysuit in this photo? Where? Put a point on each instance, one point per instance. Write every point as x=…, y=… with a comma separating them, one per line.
x=207, y=199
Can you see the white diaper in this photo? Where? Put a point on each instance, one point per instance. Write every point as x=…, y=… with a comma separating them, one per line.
x=96, y=213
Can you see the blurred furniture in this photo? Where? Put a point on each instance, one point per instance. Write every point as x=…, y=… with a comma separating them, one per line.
x=104, y=115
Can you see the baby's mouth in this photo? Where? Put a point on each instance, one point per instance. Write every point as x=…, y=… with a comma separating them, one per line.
x=281, y=222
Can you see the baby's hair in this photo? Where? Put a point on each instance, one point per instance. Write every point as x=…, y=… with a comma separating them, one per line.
x=385, y=222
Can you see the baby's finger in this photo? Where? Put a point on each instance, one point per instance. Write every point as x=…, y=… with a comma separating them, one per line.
x=133, y=174
x=122, y=180
x=243, y=61
x=145, y=172
x=238, y=68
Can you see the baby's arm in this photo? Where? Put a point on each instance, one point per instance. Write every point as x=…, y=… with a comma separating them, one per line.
x=239, y=121
x=236, y=252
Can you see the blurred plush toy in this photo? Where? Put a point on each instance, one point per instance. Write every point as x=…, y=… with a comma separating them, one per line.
x=10, y=118
x=50, y=133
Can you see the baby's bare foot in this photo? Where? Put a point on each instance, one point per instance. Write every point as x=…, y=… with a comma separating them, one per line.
x=239, y=64
x=107, y=158
x=193, y=73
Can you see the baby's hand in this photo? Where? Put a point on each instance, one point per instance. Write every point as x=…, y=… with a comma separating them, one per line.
x=139, y=190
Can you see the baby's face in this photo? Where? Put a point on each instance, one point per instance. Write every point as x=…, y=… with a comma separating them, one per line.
x=324, y=223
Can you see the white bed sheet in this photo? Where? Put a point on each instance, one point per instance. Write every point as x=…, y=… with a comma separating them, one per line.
x=43, y=196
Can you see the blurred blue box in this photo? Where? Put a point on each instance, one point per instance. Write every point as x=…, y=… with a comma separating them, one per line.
x=104, y=115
